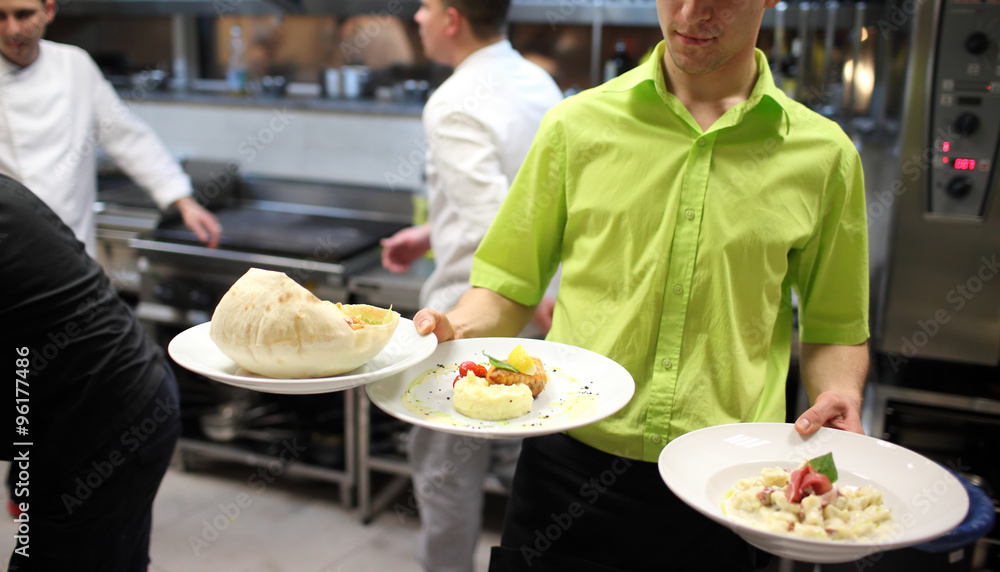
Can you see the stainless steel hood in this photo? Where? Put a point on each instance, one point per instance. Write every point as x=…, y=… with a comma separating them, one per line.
x=401, y=8
x=170, y=7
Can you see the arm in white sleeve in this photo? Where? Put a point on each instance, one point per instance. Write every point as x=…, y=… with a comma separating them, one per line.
x=134, y=147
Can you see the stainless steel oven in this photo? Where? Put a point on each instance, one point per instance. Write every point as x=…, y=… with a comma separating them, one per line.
x=936, y=293
x=941, y=294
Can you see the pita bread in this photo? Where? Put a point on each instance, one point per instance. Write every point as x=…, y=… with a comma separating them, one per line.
x=268, y=324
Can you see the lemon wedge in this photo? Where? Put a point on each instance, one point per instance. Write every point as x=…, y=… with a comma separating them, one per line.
x=521, y=361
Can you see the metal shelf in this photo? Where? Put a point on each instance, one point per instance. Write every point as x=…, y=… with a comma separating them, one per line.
x=623, y=13
x=371, y=503
x=346, y=477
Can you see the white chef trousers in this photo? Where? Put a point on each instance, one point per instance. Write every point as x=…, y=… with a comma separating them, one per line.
x=448, y=475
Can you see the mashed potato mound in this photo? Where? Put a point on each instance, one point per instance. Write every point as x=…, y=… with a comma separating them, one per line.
x=476, y=398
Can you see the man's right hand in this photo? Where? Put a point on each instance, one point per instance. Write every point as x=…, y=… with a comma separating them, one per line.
x=428, y=320
x=407, y=245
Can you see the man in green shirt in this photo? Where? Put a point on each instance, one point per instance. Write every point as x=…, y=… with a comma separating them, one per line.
x=686, y=200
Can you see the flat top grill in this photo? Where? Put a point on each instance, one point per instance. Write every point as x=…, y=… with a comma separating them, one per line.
x=248, y=229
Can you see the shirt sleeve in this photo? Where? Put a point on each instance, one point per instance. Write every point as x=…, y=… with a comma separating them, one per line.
x=830, y=273
x=135, y=148
x=522, y=248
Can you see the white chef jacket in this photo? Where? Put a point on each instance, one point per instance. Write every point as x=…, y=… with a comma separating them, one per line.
x=479, y=125
x=52, y=114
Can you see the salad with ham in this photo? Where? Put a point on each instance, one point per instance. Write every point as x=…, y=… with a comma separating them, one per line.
x=806, y=503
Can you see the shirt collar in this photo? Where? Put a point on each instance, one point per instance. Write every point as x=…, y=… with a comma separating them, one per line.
x=494, y=50
x=652, y=71
x=7, y=67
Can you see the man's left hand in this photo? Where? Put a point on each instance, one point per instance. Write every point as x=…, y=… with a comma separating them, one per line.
x=832, y=409
x=201, y=222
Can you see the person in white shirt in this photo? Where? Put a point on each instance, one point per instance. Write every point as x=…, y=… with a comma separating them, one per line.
x=55, y=107
x=479, y=125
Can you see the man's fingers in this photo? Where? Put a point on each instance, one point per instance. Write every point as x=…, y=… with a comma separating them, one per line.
x=810, y=421
x=428, y=320
x=831, y=410
x=199, y=231
x=425, y=321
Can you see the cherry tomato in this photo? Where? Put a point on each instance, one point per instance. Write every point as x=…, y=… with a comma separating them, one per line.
x=479, y=370
x=457, y=377
x=465, y=367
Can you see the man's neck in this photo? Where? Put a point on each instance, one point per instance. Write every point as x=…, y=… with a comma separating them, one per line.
x=470, y=47
x=32, y=59
x=708, y=96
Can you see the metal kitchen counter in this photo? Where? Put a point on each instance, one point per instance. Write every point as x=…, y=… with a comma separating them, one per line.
x=352, y=106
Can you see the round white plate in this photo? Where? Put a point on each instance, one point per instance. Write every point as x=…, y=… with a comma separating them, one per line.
x=583, y=387
x=702, y=466
x=193, y=349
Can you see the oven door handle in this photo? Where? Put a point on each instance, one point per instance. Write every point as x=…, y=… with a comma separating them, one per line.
x=246, y=257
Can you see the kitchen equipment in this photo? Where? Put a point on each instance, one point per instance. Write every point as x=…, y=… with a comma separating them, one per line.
x=273, y=86
x=150, y=80
x=326, y=234
x=331, y=83
x=354, y=81
x=941, y=294
x=125, y=212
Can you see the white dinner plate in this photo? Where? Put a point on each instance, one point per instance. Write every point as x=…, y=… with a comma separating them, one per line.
x=193, y=349
x=583, y=387
x=926, y=501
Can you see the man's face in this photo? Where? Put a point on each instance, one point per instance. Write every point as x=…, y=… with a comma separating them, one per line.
x=22, y=25
x=703, y=35
x=433, y=19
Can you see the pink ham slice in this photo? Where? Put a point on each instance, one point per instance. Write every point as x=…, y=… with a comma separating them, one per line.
x=806, y=481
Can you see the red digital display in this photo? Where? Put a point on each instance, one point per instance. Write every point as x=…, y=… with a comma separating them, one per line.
x=964, y=164
x=946, y=146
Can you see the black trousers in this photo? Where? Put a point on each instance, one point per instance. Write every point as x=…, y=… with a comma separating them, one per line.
x=99, y=516
x=575, y=508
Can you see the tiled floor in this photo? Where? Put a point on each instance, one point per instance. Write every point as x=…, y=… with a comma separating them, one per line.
x=291, y=525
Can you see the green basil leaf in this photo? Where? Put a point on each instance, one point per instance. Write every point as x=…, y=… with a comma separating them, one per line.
x=824, y=465
x=500, y=364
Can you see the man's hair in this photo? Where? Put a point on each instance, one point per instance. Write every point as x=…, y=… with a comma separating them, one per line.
x=487, y=18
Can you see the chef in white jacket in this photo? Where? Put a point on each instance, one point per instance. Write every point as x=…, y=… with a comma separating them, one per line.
x=56, y=108
x=479, y=126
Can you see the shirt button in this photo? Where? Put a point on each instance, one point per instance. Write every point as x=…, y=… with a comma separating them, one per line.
x=667, y=364
x=678, y=289
x=655, y=438
x=701, y=142
x=689, y=214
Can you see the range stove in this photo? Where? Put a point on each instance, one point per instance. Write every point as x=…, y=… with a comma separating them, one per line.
x=320, y=240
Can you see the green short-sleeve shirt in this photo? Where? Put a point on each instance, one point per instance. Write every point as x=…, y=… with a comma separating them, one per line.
x=680, y=248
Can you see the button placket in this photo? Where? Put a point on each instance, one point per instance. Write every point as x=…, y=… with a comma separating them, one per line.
x=675, y=299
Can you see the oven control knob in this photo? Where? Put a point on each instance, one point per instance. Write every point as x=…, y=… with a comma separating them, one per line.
x=959, y=187
x=200, y=298
x=977, y=43
x=165, y=292
x=966, y=124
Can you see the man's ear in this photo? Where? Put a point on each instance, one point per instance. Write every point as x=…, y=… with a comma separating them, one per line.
x=50, y=11
x=455, y=21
